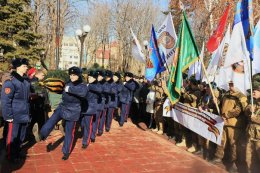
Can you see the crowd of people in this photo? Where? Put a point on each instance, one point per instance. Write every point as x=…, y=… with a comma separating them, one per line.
x=94, y=100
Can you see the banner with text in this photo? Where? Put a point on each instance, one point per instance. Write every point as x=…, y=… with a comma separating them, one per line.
x=206, y=124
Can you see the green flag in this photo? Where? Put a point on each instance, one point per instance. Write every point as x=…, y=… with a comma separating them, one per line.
x=186, y=54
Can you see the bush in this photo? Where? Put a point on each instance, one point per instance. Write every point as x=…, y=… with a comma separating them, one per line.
x=60, y=74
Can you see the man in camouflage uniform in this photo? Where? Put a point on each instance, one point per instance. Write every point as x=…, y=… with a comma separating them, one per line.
x=191, y=98
x=207, y=104
x=232, y=110
x=159, y=100
x=253, y=131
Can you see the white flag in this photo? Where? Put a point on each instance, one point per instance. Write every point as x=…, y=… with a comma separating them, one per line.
x=167, y=38
x=256, y=52
x=196, y=68
x=238, y=59
x=137, y=52
x=237, y=50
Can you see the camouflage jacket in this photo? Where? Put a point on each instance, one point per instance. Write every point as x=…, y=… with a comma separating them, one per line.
x=253, y=129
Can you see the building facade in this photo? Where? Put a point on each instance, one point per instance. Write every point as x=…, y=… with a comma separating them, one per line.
x=70, y=53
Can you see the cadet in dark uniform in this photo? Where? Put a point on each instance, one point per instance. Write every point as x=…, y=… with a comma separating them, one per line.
x=107, y=95
x=126, y=96
x=98, y=89
x=69, y=110
x=119, y=86
x=112, y=105
x=15, y=108
x=90, y=108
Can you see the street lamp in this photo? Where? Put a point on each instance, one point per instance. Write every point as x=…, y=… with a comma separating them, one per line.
x=82, y=35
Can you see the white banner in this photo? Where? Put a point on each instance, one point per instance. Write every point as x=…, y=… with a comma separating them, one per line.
x=206, y=124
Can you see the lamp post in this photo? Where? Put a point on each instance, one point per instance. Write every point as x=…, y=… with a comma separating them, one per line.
x=82, y=35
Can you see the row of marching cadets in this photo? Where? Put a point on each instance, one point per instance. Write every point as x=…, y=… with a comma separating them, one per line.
x=91, y=104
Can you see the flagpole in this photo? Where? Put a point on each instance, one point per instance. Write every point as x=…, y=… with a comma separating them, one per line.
x=211, y=90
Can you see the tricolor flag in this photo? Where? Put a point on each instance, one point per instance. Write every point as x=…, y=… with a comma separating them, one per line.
x=237, y=55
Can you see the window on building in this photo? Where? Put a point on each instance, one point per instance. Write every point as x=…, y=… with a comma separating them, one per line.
x=70, y=62
x=70, y=56
x=76, y=63
x=76, y=57
x=71, y=44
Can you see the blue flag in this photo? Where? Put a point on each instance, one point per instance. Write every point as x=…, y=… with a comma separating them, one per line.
x=154, y=63
x=244, y=13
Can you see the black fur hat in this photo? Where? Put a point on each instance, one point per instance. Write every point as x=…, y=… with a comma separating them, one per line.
x=100, y=73
x=93, y=74
x=109, y=74
x=129, y=74
x=117, y=74
x=75, y=70
x=17, y=62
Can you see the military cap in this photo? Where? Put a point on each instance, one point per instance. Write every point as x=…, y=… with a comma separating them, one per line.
x=184, y=76
x=75, y=70
x=117, y=74
x=129, y=74
x=256, y=85
x=230, y=82
x=109, y=73
x=100, y=73
x=93, y=74
x=17, y=62
x=193, y=80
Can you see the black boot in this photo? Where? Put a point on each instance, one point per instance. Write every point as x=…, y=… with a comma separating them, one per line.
x=65, y=157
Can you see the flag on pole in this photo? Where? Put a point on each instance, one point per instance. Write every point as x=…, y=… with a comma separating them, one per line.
x=186, y=54
x=256, y=52
x=245, y=7
x=218, y=34
x=196, y=68
x=167, y=38
x=218, y=57
x=237, y=50
x=237, y=55
x=137, y=52
x=154, y=63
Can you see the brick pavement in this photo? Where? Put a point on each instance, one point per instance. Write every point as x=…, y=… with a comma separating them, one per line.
x=123, y=150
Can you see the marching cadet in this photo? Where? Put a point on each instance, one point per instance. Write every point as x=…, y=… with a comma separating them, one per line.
x=69, y=110
x=112, y=105
x=106, y=93
x=253, y=131
x=15, y=108
x=191, y=98
x=232, y=108
x=126, y=96
x=100, y=104
x=119, y=86
x=40, y=103
x=90, y=108
x=207, y=104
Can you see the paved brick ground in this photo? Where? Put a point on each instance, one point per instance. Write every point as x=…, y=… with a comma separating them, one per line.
x=122, y=150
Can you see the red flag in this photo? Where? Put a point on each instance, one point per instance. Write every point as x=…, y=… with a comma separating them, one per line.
x=218, y=34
